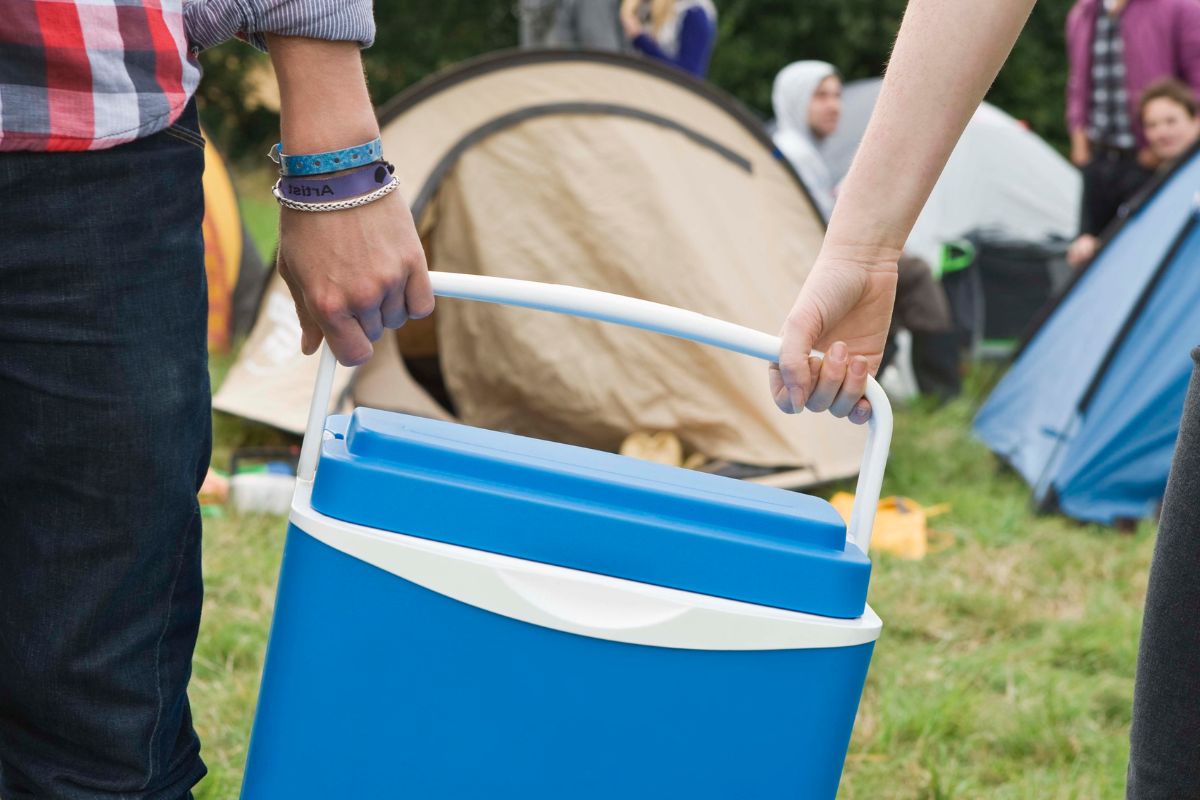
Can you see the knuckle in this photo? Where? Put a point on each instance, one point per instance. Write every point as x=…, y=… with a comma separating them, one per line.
x=364, y=298
x=327, y=306
x=421, y=307
x=414, y=258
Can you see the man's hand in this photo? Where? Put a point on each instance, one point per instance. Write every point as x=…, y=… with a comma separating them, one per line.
x=356, y=272
x=1081, y=149
x=845, y=309
x=353, y=273
x=1082, y=250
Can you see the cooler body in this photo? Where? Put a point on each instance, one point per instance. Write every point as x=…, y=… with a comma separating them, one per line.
x=403, y=663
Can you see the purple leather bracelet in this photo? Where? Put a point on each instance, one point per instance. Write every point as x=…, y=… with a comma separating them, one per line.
x=360, y=181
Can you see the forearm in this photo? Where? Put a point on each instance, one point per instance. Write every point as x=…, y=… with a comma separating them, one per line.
x=211, y=22
x=323, y=100
x=353, y=272
x=946, y=56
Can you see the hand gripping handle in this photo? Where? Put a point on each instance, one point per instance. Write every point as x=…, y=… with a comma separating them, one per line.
x=636, y=314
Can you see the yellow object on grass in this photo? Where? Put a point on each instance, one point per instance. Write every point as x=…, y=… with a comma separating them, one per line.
x=900, y=525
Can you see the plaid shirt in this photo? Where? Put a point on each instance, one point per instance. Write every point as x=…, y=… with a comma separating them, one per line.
x=1110, y=123
x=91, y=74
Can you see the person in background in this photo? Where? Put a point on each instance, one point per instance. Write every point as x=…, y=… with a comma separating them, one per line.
x=1168, y=115
x=1115, y=49
x=677, y=32
x=571, y=24
x=105, y=410
x=807, y=100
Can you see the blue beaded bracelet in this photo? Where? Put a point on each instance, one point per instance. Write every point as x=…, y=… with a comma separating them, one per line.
x=323, y=163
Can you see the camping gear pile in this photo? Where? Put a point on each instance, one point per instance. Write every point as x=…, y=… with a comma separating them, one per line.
x=997, y=286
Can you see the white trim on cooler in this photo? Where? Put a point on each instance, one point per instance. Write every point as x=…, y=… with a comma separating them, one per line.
x=579, y=602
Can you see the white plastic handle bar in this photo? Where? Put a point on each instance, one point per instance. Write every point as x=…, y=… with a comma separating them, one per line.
x=637, y=314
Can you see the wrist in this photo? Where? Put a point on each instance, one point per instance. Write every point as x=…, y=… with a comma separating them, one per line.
x=865, y=241
x=323, y=99
x=300, y=135
x=869, y=255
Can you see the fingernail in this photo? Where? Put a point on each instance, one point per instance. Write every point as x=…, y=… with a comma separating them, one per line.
x=797, y=401
x=858, y=367
x=838, y=351
x=859, y=415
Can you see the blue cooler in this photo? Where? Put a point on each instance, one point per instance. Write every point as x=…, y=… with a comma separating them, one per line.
x=470, y=614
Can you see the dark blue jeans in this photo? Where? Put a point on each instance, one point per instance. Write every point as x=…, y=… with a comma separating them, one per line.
x=104, y=440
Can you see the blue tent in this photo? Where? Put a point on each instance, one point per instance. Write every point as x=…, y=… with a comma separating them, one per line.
x=1089, y=411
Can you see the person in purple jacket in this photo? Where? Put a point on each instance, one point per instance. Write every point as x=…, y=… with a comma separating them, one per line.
x=1115, y=49
x=677, y=32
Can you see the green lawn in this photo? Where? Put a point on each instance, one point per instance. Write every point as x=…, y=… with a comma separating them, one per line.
x=1005, y=668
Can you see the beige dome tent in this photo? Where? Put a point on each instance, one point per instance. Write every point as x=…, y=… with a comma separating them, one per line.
x=593, y=170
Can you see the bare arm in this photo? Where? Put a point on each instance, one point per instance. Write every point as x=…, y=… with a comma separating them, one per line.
x=352, y=273
x=946, y=56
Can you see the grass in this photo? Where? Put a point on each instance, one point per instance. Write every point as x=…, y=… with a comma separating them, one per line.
x=1005, y=668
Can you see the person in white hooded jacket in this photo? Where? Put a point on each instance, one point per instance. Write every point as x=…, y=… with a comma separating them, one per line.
x=807, y=99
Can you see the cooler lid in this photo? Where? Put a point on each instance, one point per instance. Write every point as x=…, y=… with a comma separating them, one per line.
x=588, y=510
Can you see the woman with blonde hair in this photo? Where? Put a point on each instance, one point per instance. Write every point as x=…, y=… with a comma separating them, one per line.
x=676, y=32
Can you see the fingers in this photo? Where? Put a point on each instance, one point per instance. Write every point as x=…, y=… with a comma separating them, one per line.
x=861, y=412
x=852, y=388
x=779, y=390
x=371, y=321
x=830, y=376
x=792, y=379
x=839, y=384
x=347, y=338
x=394, y=311
x=418, y=292
x=413, y=299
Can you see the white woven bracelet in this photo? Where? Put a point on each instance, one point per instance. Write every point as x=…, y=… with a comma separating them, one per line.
x=338, y=205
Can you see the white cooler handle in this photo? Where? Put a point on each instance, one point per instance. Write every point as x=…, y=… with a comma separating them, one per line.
x=637, y=314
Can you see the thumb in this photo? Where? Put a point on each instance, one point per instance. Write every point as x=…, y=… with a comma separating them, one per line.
x=797, y=368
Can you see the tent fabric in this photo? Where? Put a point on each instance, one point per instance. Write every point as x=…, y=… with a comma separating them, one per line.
x=235, y=272
x=593, y=170
x=222, y=228
x=1000, y=177
x=1088, y=412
